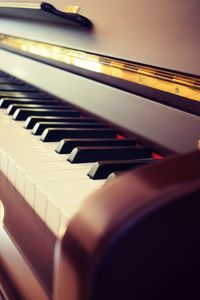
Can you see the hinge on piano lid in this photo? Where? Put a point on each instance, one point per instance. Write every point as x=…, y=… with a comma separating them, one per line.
x=73, y=9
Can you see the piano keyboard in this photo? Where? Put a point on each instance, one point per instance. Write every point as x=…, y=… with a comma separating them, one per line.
x=54, y=156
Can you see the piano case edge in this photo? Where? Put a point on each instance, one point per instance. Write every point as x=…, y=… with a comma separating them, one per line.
x=163, y=189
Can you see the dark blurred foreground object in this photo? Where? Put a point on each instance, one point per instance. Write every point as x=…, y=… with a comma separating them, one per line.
x=138, y=237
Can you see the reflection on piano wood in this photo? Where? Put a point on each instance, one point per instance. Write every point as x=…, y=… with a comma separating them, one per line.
x=99, y=175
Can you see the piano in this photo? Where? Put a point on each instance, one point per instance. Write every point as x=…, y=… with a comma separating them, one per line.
x=99, y=150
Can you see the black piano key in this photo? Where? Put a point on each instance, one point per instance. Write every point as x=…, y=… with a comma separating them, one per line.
x=12, y=94
x=55, y=135
x=6, y=102
x=40, y=127
x=5, y=75
x=67, y=145
x=17, y=88
x=13, y=107
x=90, y=154
x=22, y=113
x=102, y=169
x=11, y=81
x=31, y=121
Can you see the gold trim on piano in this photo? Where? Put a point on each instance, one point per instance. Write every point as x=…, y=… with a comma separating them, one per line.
x=73, y=9
x=167, y=81
x=12, y=4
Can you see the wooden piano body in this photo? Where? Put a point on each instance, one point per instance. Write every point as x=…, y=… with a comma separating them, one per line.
x=138, y=236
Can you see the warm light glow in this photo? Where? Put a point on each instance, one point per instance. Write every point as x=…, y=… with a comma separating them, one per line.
x=89, y=65
x=73, y=9
x=170, y=82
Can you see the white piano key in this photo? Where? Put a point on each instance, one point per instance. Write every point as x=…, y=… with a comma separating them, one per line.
x=52, y=186
x=5, y=156
x=26, y=145
x=27, y=182
x=61, y=194
x=65, y=215
x=43, y=166
x=27, y=187
x=40, y=206
x=57, y=220
x=4, y=162
x=32, y=158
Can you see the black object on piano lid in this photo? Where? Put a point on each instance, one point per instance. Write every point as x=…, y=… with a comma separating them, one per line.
x=32, y=120
x=102, y=169
x=42, y=11
x=67, y=145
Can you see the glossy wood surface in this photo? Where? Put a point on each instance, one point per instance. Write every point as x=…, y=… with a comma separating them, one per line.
x=130, y=199
x=26, y=242
x=5, y=290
